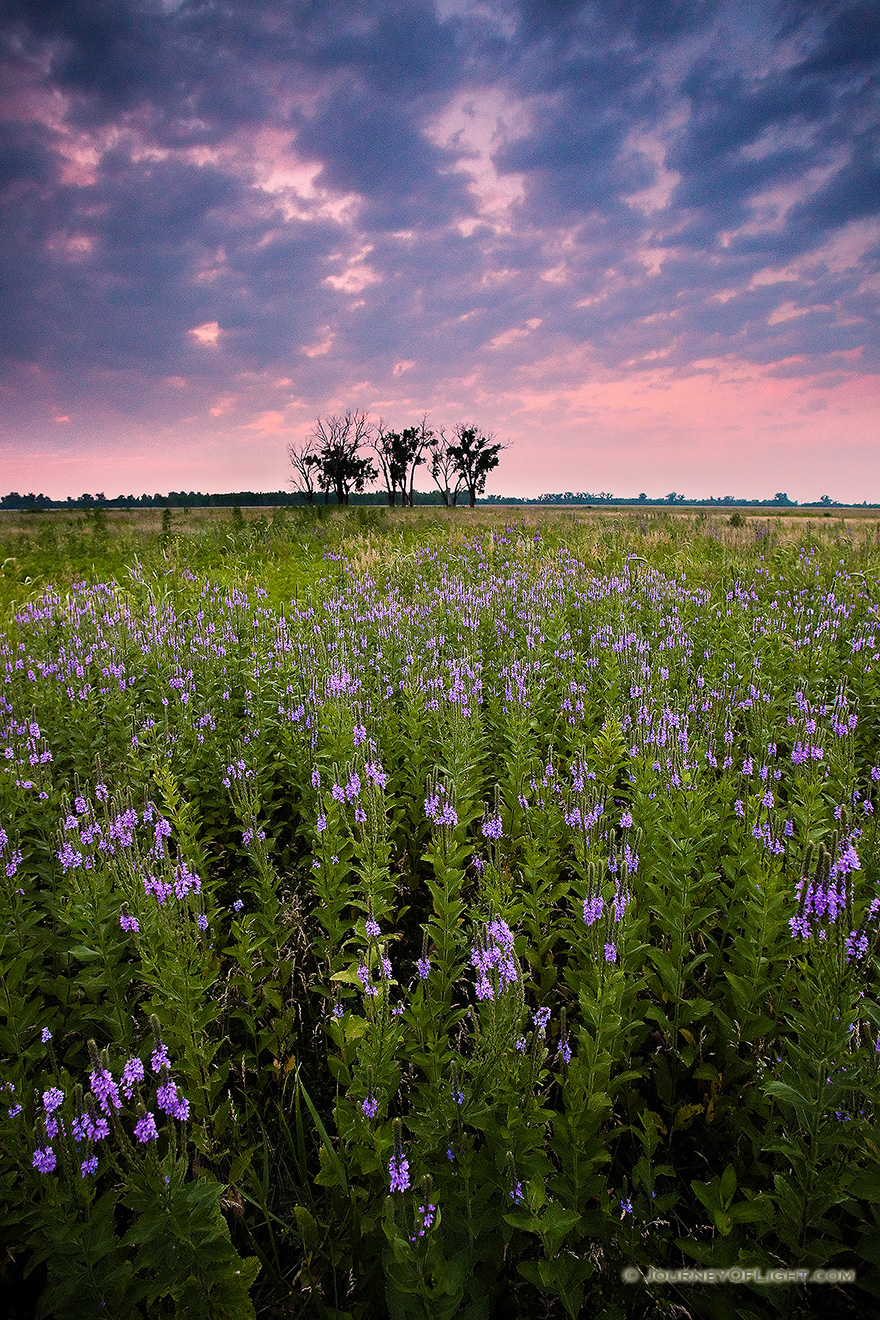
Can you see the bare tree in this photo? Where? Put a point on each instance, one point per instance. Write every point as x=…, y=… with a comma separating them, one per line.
x=384, y=445
x=473, y=457
x=414, y=443
x=446, y=475
x=305, y=462
x=338, y=441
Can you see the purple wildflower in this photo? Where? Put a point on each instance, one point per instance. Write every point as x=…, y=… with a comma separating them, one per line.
x=398, y=1169
x=104, y=1089
x=372, y=928
x=44, y=1159
x=167, y=1098
x=856, y=945
x=52, y=1099
x=496, y=954
x=130, y=923
x=593, y=909
x=491, y=827
x=427, y=1213
x=89, y=1166
x=145, y=1129
x=170, y=1102
x=424, y=968
x=185, y=881
x=132, y=1073
x=370, y=1107
x=160, y=1058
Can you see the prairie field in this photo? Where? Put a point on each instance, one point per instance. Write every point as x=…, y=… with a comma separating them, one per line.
x=439, y=913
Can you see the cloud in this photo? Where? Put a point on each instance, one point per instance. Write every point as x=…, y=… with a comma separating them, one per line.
x=426, y=203
x=207, y=334
x=268, y=423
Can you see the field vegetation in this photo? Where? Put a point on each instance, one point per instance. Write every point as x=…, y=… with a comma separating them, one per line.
x=435, y=913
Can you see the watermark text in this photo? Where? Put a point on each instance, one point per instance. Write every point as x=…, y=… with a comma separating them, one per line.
x=734, y=1274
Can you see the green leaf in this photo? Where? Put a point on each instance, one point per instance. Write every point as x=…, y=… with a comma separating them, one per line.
x=788, y=1095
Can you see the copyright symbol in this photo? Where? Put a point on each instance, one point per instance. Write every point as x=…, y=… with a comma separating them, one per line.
x=630, y=1274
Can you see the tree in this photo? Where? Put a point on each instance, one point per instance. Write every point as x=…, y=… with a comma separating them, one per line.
x=383, y=443
x=442, y=467
x=338, y=442
x=305, y=462
x=473, y=457
x=399, y=454
x=410, y=451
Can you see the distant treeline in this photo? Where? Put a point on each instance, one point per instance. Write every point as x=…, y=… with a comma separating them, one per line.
x=195, y=499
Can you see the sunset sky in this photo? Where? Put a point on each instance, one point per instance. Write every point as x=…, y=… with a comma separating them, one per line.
x=638, y=239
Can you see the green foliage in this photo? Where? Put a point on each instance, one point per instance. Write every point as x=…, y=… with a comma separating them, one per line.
x=492, y=851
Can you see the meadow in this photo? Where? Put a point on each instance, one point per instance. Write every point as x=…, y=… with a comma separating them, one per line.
x=439, y=913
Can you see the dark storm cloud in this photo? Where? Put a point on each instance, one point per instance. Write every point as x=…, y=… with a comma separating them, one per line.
x=851, y=42
x=852, y=194
x=370, y=145
x=148, y=150
x=110, y=56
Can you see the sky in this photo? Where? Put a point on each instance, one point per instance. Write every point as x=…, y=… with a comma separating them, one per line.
x=638, y=240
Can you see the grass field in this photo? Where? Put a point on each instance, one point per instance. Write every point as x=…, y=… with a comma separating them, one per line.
x=439, y=913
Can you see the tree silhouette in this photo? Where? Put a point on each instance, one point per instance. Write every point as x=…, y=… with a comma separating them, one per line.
x=338, y=441
x=399, y=454
x=442, y=467
x=382, y=443
x=305, y=462
x=473, y=457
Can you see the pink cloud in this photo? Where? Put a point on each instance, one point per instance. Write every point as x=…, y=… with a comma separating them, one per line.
x=207, y=334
